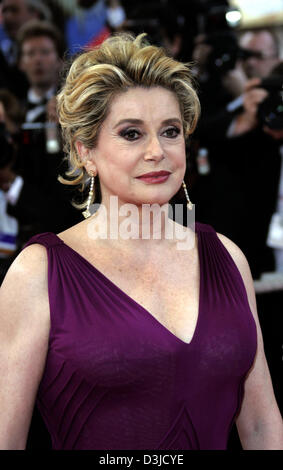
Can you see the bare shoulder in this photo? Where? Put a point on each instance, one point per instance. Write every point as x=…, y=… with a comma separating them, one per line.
x=24, y=291
x=243, y=266
x=233, y=249
x=29, y=267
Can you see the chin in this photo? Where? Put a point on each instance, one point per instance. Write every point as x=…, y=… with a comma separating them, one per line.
x=157, y=200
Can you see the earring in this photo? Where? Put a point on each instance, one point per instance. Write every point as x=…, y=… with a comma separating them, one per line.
x=189, y=203
x=86, y=213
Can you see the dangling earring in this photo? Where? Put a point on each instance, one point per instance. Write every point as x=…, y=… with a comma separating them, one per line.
x=189, y=203
x=86, y=213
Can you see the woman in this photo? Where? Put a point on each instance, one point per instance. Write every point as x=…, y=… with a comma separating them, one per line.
x=132, y=342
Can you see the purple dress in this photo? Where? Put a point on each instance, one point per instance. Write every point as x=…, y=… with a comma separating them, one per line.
x=116, y=378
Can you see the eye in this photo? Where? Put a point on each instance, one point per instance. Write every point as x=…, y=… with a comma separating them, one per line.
x=130, y=134
x=172, y=132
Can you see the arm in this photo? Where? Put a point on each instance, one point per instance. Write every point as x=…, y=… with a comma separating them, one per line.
x=248, y=120
x=259, y=423
x=24, y=333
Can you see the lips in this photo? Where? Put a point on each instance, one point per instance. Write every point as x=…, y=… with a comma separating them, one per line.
x=155, y=174
x=154, y=177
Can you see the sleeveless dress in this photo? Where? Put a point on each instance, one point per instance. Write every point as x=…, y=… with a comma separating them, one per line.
x=116, y=378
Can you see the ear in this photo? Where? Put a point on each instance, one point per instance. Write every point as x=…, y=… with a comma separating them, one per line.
x=86, y=157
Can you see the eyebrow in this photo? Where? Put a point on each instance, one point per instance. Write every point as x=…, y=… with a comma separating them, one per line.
x=140, y=121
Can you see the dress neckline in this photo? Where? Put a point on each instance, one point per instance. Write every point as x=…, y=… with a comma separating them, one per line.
x=146, y=312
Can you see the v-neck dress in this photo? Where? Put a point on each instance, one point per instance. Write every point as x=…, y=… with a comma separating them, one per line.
x=116, y=378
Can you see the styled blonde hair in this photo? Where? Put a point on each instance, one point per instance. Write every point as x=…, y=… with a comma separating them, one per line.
x=96, y=76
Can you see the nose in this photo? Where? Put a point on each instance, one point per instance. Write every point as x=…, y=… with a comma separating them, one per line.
x=38, y=56
x=154, y=149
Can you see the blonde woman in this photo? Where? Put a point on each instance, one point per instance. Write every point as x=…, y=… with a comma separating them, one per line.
x=130, y=342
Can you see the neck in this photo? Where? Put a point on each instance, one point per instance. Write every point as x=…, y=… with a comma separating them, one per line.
x=136, y=226
x=40, y=90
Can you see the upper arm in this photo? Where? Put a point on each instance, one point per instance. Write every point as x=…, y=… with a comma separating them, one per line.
x=24, y=333
x=259, y=405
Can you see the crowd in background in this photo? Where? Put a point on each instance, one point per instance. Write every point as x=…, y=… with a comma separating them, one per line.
x=234, y=159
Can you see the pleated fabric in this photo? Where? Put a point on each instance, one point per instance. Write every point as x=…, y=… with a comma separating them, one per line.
x=116, y=378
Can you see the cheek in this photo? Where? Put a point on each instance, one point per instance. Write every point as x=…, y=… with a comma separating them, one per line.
x=180, y=156
x=114, y=169
x=119, y=160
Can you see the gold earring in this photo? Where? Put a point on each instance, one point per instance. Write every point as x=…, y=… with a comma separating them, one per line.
x=90, y=199
x=189, y=203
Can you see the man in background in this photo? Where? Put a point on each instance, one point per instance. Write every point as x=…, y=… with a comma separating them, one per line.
x=41, y=50
x=16, y=13
x=265, y=44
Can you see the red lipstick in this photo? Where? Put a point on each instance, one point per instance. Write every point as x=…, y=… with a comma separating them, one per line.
x=155, y=176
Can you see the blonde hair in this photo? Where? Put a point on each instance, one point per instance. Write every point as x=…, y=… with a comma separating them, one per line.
x=96, y=76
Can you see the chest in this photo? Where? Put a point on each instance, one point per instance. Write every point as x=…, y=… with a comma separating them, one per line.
x=167, y=288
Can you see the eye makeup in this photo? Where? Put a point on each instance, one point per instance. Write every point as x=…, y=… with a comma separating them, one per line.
x=130, y=134
x=133, y=134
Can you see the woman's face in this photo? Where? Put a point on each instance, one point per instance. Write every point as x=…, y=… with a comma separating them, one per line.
x=142, y=133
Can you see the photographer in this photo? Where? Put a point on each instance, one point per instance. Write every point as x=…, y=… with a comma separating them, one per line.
x=223, y=67
x=270, y=113
x=263, y=57
x=260, y=124
x=239, y=192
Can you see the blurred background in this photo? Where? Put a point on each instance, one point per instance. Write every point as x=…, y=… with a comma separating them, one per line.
x=234, y=159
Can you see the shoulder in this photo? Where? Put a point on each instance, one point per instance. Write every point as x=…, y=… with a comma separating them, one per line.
x=242, y=264
x=236, y=253
x=31, y=263
x=24, y=304
x=25, y=286
x=28, y=271
x=233, y=249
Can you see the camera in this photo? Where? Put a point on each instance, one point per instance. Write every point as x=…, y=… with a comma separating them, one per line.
x=225, y=53
x=270, y=111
